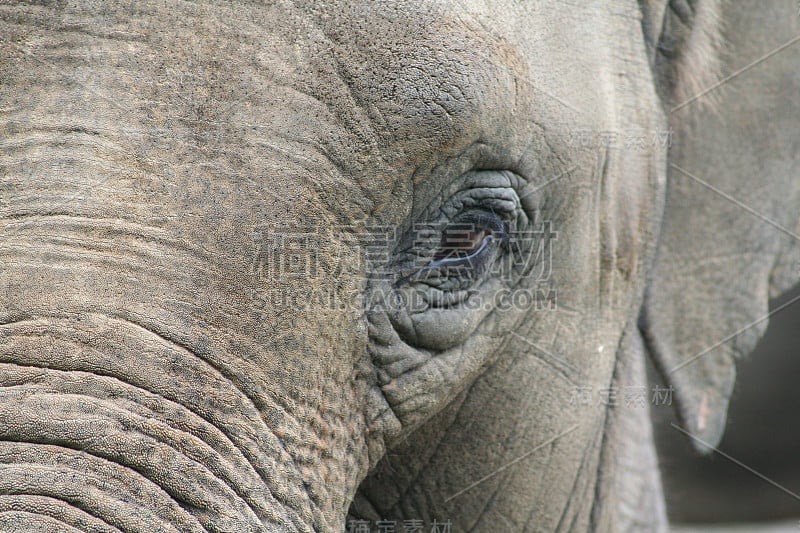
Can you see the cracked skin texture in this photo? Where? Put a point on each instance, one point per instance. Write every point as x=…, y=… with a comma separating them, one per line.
x=159, y=374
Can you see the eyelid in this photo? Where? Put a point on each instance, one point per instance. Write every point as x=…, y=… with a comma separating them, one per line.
x=489, y=199
x=501, y=200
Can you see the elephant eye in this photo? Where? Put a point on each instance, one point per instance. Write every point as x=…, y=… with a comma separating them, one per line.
x=464, y=242
x=466, y=247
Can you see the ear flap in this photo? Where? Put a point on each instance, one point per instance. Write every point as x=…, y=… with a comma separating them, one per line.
x=683, y=37
x=730, y=235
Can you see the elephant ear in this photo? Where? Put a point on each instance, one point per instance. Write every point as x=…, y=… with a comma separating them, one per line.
x=683, y=37
x=730, y=234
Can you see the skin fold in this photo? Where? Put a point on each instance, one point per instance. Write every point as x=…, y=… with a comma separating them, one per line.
x=194, y=335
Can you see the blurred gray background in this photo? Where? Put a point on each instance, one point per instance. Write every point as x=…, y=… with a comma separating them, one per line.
x=763, y=433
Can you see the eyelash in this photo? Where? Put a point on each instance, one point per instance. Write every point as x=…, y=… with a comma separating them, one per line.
x=492, y=228
x=457, y=261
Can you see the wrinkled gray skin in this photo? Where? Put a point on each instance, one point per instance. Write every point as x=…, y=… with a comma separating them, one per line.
x=149, y=384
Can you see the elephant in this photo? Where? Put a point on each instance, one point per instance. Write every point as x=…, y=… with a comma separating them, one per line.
x=380, y=266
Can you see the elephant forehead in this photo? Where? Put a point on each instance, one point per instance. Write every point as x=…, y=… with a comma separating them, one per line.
x=432, y=78
x=398, y=83
x=424, y=78
x=325, y=92
x=416, y=82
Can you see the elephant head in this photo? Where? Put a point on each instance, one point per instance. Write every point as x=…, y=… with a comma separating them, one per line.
x=271, y=267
